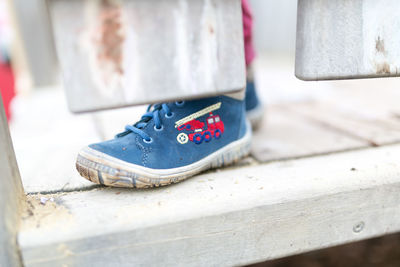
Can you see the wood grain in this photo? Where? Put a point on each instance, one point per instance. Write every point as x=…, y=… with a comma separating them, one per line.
x=231, y=217
x=113, y=54
x=285, y=134
x=11, y=196
x=354, y=119
x=343, y=39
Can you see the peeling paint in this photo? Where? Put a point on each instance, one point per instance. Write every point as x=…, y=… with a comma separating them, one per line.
x=363, y=44
x=111, y=37
x=380, y=46
x=116, y=53
x=380, y=38
x=103, y=41
x=383, y=68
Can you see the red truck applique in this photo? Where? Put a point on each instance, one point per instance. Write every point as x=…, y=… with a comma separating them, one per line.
x=198, y=131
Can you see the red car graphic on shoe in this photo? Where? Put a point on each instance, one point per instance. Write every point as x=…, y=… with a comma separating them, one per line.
x=197, y=132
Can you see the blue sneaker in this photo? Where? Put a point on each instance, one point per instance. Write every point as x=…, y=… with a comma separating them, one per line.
x=254, y=107
x=170, y=143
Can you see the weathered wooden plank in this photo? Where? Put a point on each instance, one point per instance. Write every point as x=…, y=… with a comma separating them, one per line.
x=225, y=218
x=11, y=197
x=373, y=97
x=47, y=138
x=353, y=119
x=284, y=134
x=343, y=39
x=120, y=53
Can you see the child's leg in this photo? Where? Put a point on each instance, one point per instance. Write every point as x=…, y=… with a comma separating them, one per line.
x=254, y=109
x=248, y=32
x=248, y=44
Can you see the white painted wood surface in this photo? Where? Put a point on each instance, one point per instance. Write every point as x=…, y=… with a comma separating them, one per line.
x=47, y=138
x=11, y=197
x=285, y=134
x=121, y=53
x=340, y=39
x=225, y=218
x=356, y=121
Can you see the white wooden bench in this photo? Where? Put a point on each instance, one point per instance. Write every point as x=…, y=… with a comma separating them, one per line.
x=121, y=53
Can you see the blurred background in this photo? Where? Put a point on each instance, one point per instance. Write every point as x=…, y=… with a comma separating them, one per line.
x=30, y=84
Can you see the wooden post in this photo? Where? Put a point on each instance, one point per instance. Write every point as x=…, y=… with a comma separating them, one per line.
x=11, y=196
x=33, y=26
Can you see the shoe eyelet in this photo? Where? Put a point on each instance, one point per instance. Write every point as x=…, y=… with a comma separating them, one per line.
x=169, y=116
x=180, y=103
x=158, y=129
x=148, y=141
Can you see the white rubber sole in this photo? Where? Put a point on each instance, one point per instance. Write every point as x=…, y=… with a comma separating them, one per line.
x=103, y=169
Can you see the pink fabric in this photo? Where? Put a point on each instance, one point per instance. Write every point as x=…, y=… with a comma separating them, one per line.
x=248, y=32
x=6, y=86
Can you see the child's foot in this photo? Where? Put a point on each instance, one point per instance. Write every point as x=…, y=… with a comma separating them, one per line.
x=254, y=108
x=171, y=142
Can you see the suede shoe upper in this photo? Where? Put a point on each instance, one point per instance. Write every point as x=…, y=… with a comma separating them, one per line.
x=176, y=134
